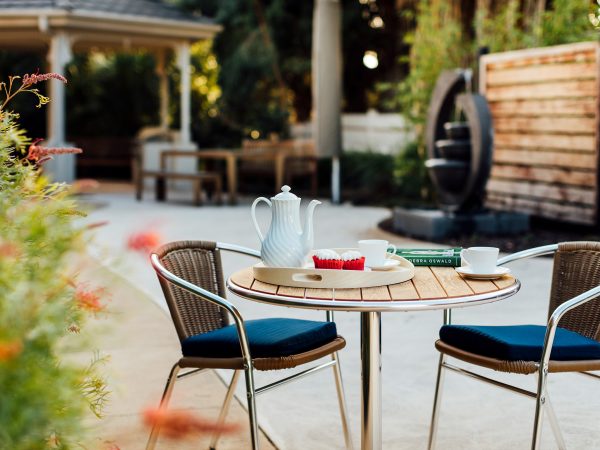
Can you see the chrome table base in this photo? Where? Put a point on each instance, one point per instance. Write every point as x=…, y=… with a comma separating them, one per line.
x=370, y=349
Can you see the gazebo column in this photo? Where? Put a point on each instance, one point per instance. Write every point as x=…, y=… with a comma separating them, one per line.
x=61, y=168
x=185, y=165
x=163, y=88
x=327, y=85
x=183, y=61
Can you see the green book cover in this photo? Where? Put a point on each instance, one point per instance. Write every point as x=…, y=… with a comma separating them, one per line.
x=445, y=257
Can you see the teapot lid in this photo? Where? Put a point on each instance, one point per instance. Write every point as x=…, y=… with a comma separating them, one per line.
x=285, y=194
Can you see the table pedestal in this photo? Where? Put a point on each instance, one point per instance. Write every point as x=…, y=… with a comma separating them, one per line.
x=370, y=349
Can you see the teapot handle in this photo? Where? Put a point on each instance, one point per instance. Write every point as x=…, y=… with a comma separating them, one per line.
x=253, y=212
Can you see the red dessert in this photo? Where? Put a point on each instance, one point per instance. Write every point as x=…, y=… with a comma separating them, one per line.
x=355, y=264
x=353, y=260
x=327, y=259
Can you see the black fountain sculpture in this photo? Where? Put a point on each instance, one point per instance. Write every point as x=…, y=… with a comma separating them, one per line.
x=460, y=140
x=460, y=152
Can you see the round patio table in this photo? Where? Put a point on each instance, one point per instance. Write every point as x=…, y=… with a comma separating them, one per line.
x=431, y=288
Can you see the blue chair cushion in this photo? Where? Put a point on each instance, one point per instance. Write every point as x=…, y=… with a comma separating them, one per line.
x=519, y=342
x=268, y=338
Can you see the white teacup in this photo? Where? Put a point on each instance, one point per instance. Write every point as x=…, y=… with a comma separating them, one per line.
x=375, y=251
x=481, y=260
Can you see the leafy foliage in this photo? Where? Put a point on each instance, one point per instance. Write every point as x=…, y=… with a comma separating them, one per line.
x=436, y=44
x=567, y=22
x=42, y=397
x=99, y=83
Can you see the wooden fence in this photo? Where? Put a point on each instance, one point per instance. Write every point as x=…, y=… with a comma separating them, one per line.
x=544, y=105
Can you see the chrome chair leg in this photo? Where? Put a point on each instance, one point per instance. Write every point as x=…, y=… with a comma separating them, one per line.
x=339, y=385
x=251, y=399
x=540, y=401
x=560, y=441
x=437, y=398
x=225, y=408
x=164, y=401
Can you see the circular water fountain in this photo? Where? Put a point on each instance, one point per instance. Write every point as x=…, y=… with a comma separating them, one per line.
x=459, y=138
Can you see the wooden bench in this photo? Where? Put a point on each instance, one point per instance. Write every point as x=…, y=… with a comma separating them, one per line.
x=164, y=174
x=286, y=160
x=199, y=178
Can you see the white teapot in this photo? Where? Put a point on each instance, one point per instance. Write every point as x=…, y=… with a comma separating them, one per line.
x=286, y=244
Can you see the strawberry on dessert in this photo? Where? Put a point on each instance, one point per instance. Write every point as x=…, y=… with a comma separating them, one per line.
x=327, y=259
x=353, y=260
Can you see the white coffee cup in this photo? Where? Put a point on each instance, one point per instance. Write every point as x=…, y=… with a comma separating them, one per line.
x=375, y=251
x=481, y=260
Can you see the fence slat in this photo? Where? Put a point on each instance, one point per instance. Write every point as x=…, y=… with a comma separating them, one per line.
x=548, y=107
x=559, y=211
x=564, y=89
x=568, y=125
x=543, y=191
x=548, y=158
x=546, y=141
x=547, y=175
x=544, y=73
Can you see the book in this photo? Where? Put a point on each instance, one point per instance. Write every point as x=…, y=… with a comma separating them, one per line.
x=445, y=257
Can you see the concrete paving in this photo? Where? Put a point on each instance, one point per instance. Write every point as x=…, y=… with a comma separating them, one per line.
x=303, y=415
x=136, y=337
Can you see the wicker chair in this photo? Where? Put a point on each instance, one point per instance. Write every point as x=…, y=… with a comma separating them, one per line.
x=572, y=347
x=191, y=277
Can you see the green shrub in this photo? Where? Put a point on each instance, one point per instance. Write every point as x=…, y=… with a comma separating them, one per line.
x=438, y=43
x=367, y=177
x=413, y=185
x=42, y=397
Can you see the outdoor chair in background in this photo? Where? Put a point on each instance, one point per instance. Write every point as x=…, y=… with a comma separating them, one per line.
x=285, y=160
x=533, y=349
x=191, y=277
x=166, y=173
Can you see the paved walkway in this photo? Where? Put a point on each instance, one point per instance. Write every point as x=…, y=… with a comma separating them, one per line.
x=303, y=415
x=137, y=336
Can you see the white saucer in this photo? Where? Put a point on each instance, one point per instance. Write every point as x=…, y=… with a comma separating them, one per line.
x=389, y=263
x=468, y=272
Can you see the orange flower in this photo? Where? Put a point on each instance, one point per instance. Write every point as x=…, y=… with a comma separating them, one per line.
x=9, y=250
x=144, y=242
x=40, y=154
x=183, y=424
x=85, y=185
x=10, y=349
x=89, y=299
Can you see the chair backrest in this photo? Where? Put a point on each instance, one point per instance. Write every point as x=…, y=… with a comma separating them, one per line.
x=576, y=270
x=198, y=262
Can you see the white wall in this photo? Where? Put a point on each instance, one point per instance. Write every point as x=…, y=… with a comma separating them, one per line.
x=372, y=131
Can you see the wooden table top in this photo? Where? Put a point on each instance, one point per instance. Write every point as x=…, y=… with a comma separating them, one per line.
x=430, y=284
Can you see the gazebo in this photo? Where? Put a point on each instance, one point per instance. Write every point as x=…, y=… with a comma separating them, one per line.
x=62, y=27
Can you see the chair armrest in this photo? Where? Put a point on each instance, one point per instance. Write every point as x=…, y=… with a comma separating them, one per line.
x=558, y=313
x=529, y=253
x=238, y=249
x=209, y=297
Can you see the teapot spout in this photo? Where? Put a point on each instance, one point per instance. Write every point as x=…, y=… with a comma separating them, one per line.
x=308, y=233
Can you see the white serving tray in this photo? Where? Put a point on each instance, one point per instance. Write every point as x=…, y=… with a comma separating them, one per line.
x=309, y=277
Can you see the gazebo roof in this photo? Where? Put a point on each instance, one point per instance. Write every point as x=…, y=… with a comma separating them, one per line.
x=101, y=21
x=136, y=8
